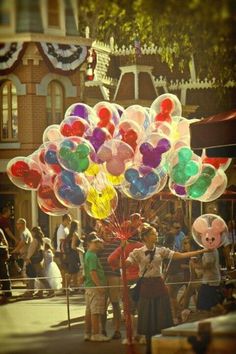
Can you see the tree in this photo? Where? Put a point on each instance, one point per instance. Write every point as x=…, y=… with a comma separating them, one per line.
x=204, y=29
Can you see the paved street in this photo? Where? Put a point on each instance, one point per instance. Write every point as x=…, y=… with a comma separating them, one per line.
x=40, y=326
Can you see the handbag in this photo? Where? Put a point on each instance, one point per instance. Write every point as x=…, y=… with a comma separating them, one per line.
x=37, y=257
x=135, y=288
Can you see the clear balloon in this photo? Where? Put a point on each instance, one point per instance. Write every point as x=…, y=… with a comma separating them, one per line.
x=165, y=107
x=49, y=155
x=83, y=111
x=24, y=172
x=154, y=149
x=209, y=231
x=115, y=154
x=137, y=114
x=108, y=116
x=130, y=132
x=185, y=167
x=74, y=154
x=74, y=126
x=102, y=198
x=52, y=133
x=47, y=199
x=71, y=189
x=141, y=182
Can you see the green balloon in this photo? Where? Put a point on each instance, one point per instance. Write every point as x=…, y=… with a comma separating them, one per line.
x=191, y=168
x=83, y=165
x=178, y=176
x=209, y=171
x=64, y=153
x=185, y=154
x=82, y=150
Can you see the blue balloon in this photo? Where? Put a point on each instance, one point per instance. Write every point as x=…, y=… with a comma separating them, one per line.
x=68, y=178
x=77, y=197
x=51, y=157
x=151, y=179
x=68, y=144
x=131, y=174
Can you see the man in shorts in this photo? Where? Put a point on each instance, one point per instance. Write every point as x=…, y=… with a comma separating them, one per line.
x=94, y=293
x=113, y=280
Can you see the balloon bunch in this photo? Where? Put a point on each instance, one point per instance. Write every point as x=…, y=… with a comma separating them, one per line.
x=96, y=151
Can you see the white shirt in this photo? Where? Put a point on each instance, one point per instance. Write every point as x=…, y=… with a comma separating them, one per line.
x=137, y=256
x=27, y=238
x=211, y=268
x=62, y=232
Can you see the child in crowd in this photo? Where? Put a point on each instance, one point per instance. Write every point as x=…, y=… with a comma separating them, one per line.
x=50, y=267
x=94, y=293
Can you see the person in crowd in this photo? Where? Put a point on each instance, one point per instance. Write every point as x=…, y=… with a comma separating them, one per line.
x=94, y=293
x=132, y=274
x=62, y=232
x=154, y=311
x=34, y=263
x=195, y=268
x=178, y=236
x=22, y=247
x=177, y=276
x=209, y=294
x=51, y=270
x=152, y=218
x=4, y=273
x=113, y=293
x=71, y=251
x=5, y=225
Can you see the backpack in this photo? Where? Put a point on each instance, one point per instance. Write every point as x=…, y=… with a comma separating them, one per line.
x=54, y=238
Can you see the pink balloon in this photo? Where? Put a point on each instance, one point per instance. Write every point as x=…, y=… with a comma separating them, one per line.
x=115, y=166
x=200, y=225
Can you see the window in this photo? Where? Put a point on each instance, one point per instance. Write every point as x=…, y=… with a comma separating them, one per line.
x=5, y=13
x=53, y=13
x=55, y=103
x=9, y=115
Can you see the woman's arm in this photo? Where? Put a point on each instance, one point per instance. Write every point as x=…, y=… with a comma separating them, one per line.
x=178, y=255
x=114, y=258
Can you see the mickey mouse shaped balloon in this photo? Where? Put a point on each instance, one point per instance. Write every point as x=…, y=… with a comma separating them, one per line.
x=165, y=107
x=116, y=154
x=209, y=231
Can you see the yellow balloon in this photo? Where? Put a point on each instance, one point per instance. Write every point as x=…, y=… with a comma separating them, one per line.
x=115, y=180
x=101, y=205
x=92, y=170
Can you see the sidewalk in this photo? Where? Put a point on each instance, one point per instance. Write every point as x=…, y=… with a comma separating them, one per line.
x=39, y=326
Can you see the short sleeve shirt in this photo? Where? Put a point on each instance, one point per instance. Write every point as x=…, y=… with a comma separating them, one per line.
x=91, y=262
x=139, y=257
x=211, y=268
x=27, y=238
x=62, y=232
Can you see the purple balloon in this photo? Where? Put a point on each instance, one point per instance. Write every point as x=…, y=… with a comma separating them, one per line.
x=180, y=190
x=80, y=111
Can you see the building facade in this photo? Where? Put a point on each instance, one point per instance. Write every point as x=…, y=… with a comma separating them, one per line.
x=44, y=69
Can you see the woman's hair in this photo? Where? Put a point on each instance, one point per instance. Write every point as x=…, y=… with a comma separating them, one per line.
x=38, y=234
x=73, y=227
x=146, y=229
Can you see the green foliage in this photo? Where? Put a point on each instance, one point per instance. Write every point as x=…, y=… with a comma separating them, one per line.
x=204, y=29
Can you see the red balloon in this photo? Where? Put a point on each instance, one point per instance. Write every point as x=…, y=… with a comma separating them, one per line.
x=32, y=178
x=19, y=169
x=44, y=191
x=105, y=115
x=78, y=128
x=130, y=137
x=216, y=161
x=163, y=117
x=66, y=130
x=167, y=105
